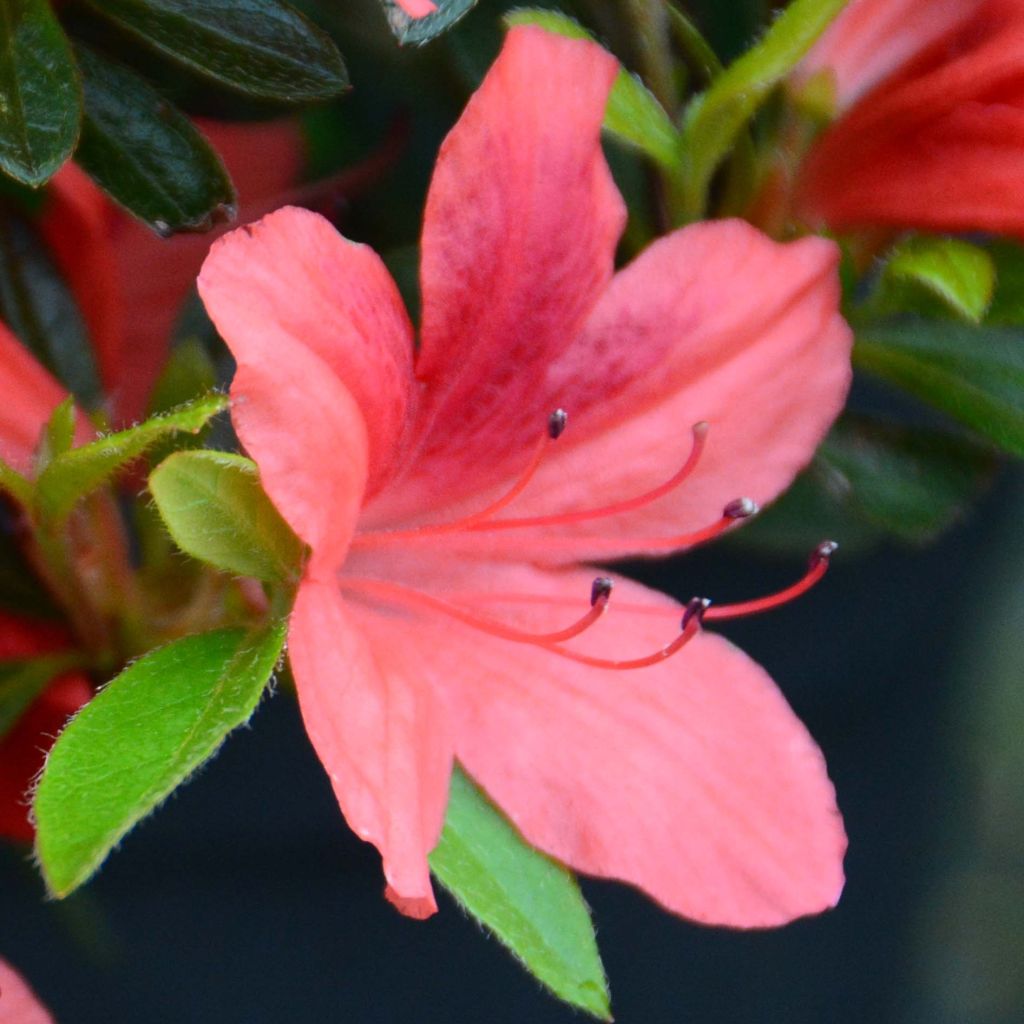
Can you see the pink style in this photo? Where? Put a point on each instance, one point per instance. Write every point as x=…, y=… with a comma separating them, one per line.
x=446, y=610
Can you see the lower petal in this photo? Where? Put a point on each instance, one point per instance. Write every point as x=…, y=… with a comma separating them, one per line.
x=692, y=780
x=380, y=734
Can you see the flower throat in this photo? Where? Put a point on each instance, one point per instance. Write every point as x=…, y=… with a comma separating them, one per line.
x=697, y=611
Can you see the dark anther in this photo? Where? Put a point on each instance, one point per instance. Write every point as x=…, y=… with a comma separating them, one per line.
x=556, y=423
x=741, y=508
x=696, y=606
x=600, y=590
x=823, y=552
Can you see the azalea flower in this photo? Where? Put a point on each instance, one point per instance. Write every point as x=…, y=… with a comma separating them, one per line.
x=18, y=1003
x=449, y=505
x=931, y=97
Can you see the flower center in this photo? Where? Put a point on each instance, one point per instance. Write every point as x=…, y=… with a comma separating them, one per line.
x=697, y=612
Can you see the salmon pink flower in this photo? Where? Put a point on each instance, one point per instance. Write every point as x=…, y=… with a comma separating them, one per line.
x=18, y=1003
x=932, y=97
x=448, y=505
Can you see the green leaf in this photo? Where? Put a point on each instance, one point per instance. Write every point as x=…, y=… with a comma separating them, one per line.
x=974, y=374
x=146, y=154
x=700, y=56
x=912, y=482
x=873, y=479
x=258, y=47
x=422, y=30
x=139, y=739
x=40, y=98
x=22, y=681
x=215, y=509
x=72, y=476
x=38, y=306
x=532, y=904
x=961, y=275
x=58, y=436
x=714, y=119
x=633, y=115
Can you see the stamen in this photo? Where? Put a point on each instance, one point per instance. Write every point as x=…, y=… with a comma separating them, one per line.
x=817, y=566
x=741, y=508
x=689, y=628
x=600, y=593
x=700, y=433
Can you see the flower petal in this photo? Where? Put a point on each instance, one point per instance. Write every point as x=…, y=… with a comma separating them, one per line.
x=30, y=395
x=290, y=280
x=901, y=159
x=692, y=780
x=519, y=235
x=308, y=438
x=872, y=39
x=79, y=219
x=381, y=736
x=715, y=322
x=18, y=1003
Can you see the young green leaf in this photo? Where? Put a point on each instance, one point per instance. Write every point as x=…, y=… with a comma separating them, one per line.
x=38, y=306
x=1008, y=299
x=139, y=739
x=70, y=477
x=713, y=120
x=215, y=509
x=58, y=435
x=633, y=115
x=40, y=99
x=421, y=30
x=22, y=681
x=529, y=902
x=962, y=276
x=974, y=374
x=262, y=48
x=146, y=154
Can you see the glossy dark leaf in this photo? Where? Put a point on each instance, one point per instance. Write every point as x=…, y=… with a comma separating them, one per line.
x=148, y=155
x=974, y=374
x=38, y=306
x=422, y=30
x=40, y=98
x=259, y=47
